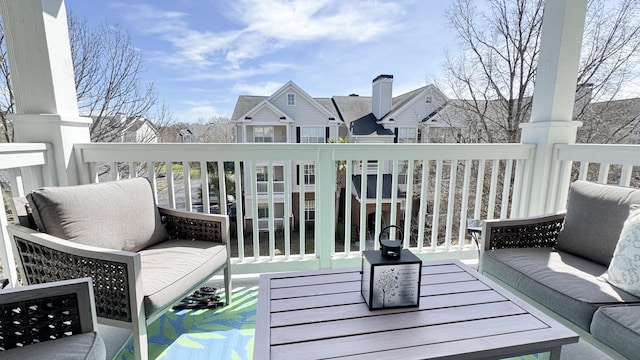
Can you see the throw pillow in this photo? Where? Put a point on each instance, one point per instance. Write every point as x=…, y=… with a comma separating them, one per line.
x=624, y=270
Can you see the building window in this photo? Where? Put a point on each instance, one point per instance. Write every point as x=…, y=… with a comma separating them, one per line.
x=312, y=134
x=262, y=174
x=263, y=211
x=291, y=99
x=263, y=134
x=407, y=135
x=309, y=174
x=309, y=210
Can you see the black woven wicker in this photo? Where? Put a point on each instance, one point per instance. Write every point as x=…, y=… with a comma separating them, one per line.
x=192, y=229
x=543, y=234
x=32, y=321
x=42, y=265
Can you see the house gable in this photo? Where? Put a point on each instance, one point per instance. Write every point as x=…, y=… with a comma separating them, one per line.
x=412, y=108
x=265, y=113
x=305, y=110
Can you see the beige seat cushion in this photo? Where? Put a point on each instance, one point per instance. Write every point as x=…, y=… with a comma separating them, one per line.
x=173, y=267
x=119, y=215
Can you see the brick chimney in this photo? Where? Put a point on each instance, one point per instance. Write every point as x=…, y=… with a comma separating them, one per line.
x=381, y=99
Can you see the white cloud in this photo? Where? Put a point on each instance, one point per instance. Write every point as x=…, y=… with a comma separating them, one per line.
x=196, y=113
x=262, y=89
x=262, y=27
x=302, y=20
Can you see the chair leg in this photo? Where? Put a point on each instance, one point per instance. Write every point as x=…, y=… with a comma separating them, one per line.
x=227, y=285
x=140, y=342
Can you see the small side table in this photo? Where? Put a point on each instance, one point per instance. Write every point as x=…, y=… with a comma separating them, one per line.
x=474, y=228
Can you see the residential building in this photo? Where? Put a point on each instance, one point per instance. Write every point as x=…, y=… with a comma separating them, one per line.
x=290, y=115
x=122, y=128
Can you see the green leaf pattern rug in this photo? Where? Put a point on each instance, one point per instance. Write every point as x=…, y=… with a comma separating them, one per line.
x=224, y=333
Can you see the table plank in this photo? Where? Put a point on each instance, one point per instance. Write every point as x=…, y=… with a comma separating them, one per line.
x=339, y=328
x=314, y=314
x=507, y=345
x=374, y=342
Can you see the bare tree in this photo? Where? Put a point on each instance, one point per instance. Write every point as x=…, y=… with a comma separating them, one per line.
x=495, y=71
x=221, y=130
x=7, y=99
x=108, y=70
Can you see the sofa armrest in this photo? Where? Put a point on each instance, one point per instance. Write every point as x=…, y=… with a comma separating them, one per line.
x=195, y=226
x=37, y=313
x=536, y=231
x=44, y=258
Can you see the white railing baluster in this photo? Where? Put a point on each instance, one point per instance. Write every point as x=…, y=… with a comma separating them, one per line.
x=506, y=188
x=422, y=212
x=239, y=210
x=186, y=175
x=453, y=164
x=363, y=205
x=491, y=209
x=287, y=212
x=272, y=211
x=477, y=214
x=437, y=202
x=204, y=187
x=464, y=205
x=584, y=170
x=347, y=207
x=379, y=196
x=254, y=205
x=301, y=212
x=394, y=199
x=408, y=204
x=170, y=185
x=625, y=175
x=603, y=173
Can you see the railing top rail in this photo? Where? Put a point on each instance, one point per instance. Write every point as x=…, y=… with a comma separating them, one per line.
x=276, y=151
x=16, y=155
x=600, y=153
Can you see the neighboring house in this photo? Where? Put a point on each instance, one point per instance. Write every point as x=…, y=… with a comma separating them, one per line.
x=186, y=136
x=289, y=115
x=122, y=128
x=611, y=122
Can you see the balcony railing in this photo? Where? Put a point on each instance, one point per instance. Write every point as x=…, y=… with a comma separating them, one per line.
x=447, y=184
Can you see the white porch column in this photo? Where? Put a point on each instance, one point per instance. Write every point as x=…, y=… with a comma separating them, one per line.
x=554, y=96
x=43, y=80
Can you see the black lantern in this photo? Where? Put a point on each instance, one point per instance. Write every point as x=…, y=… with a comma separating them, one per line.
x=391, y=276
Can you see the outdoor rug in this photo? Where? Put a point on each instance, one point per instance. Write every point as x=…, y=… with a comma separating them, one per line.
x=223, y=333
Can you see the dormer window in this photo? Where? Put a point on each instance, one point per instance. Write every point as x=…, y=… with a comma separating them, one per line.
x=291, y=99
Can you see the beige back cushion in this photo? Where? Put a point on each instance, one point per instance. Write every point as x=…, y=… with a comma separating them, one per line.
x=595, y=216
x=119, y=215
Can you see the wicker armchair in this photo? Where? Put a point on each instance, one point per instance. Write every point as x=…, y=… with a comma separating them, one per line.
x=132, y=287
x=50, y=321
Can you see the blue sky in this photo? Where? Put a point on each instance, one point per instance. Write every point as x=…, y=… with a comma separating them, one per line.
x=202, y=54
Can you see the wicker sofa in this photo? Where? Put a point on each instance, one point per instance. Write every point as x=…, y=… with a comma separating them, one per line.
x=143, y=259
x=562, y=260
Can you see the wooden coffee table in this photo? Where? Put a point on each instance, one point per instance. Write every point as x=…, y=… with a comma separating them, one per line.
x=462, y=315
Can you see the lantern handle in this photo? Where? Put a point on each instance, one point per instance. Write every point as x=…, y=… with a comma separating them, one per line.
x=389, y=227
